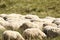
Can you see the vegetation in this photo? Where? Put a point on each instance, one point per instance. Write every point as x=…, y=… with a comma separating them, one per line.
x=41, y=8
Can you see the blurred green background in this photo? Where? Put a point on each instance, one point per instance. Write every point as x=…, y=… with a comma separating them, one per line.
x=42, y=8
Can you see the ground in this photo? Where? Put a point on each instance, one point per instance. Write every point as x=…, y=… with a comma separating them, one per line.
x=41, y=8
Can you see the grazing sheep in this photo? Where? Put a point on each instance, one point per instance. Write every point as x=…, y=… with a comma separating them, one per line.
x=33, y=33
x=47, y=20
x=15, y=25
x=15, y=21
x=29, y=16
x=12, y=35
x=48, y=17
x=3, y=16
x=36, y=20
x=57, y=21
x=14, y=17
x=1, y=19
x=3, y=22
x=38, y=24
x=31, y=25
x=50, y=24
x=51, y=31
x=2, y=28
x=58, y=26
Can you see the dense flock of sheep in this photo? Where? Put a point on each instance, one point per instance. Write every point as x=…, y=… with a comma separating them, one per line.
x=31, y=27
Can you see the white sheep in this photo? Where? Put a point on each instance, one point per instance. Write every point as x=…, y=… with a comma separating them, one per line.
x=3, y=15
x=15, y=21
x=51, y=31
x=38, y=24
x=12, y=35
x=50, y=24
x=31, y=25
x=33, y=33
x=2, y=28
x=30, y=16
x=14, y=16
x=15, y=25
x=47, y=20
x=3, y=22
x=58, y=26
x=48, y=17
x=57, y=21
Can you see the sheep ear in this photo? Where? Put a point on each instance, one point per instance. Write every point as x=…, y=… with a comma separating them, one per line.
x=44, y=25
x=53, y=21
x=5, y=18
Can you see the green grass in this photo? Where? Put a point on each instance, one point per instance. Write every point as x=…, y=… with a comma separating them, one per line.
x=47, y=7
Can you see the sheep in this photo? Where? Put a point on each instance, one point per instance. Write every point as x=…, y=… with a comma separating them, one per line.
x=12, y=35
x=10, y=16
x=2, y=28
x=3, y=22
x=15, y=25
x=48, y=17
x=3, y=16
x=27, y=25
x=38, y=24
x=36, y=20
x=34, y=33
x=15, y=21
x=51, y=31
x=57, y=21
x=13, y=16
x=49, y=24
x=1, y=19
x=47, y=20
x=58, y=26
x=42, y=23
x=29, y=16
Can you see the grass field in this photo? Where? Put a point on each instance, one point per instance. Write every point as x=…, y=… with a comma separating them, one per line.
x=42, y=8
